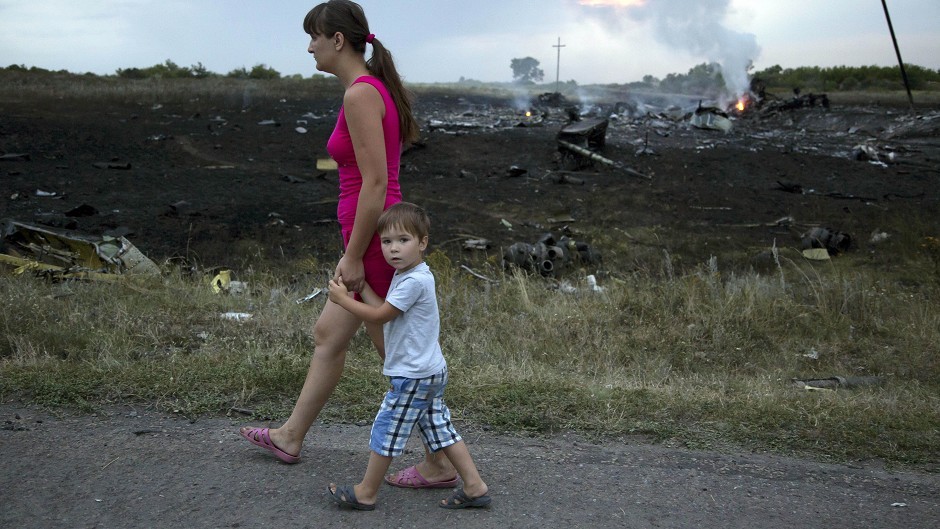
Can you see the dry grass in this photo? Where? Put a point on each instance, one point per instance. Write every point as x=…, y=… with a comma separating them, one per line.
x=701, y=358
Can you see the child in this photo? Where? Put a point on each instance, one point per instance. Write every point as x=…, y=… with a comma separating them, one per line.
x=413, y=362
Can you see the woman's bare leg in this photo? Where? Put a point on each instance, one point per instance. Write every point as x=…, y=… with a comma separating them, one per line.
x=332, y=333
x=436, y=467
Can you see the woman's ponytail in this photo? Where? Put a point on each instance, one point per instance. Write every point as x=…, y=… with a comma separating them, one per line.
x=382, y=66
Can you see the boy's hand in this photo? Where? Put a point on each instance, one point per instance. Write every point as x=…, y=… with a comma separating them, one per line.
x=337, y=290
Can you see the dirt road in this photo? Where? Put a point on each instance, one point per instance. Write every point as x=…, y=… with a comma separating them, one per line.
x=139, y=468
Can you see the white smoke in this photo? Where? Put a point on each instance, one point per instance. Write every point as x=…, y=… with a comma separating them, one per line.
x=694, y=26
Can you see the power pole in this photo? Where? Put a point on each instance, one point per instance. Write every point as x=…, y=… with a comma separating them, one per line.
x=897, y=51
x=558, y=64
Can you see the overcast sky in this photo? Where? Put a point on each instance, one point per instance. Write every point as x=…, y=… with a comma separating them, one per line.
x=605, y=41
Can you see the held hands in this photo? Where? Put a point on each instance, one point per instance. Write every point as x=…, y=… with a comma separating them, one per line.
x=338, y=290
x=352, y=273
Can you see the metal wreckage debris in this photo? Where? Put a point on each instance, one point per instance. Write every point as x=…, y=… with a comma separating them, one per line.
x=550, y=257
x=61, y=255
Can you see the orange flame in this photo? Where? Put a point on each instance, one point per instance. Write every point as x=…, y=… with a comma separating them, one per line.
x=740, y=105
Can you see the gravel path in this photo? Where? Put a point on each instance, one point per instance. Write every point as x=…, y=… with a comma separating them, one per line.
x=139, y=468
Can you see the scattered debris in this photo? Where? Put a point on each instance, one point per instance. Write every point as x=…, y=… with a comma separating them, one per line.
x=866, y=152
x=14, y=157
x=237, y=316
x=113, y=165
x=835, y=242
x=588, y=133
x=592, y=286
x=835, y=382
x=816, y=254
x=326, y=164
x=293, y=179
x=591, y=155
x=310, y=296
x=710, y=118
x=549, y=257
x=878, y=237
x=476, y=244
x=478, y=275
x=515, y=171
x=62, y=255
x=222, y=283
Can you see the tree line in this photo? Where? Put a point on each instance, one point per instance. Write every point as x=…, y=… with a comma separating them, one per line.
x=707, y=78
x=700, y=79
x=171, y=70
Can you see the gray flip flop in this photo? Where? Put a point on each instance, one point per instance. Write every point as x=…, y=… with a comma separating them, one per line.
x=460, y=500
x=346, y=497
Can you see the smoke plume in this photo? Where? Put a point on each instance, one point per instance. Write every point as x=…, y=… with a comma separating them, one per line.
x=697, y=27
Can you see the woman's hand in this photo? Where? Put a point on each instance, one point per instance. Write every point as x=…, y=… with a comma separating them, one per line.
x=351, y=272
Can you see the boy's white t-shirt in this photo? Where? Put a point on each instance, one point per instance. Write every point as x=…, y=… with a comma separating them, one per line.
x=412, y=345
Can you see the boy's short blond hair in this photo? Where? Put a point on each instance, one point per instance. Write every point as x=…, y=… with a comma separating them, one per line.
x=407, y=216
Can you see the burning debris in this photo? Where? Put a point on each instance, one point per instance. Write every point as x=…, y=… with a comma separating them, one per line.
x=758, y=101
x=710, y=118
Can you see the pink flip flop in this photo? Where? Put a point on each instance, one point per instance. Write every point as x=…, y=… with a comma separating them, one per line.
x=410, y=478
x=261, y=437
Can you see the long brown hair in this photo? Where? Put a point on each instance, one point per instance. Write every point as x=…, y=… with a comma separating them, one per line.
x=348, y=18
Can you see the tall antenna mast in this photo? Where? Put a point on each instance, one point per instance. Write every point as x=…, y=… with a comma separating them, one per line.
x=558, y=63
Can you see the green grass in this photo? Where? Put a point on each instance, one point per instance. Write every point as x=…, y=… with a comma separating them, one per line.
x=699, y=357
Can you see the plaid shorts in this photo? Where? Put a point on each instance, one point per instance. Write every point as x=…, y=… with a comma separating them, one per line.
x=413, y=401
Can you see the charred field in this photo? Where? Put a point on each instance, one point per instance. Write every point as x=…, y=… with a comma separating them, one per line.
x=230, y=179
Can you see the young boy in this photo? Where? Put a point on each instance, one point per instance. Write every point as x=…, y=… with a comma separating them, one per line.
x=413, y=362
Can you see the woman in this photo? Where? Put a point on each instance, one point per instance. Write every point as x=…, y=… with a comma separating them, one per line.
x=373, y=124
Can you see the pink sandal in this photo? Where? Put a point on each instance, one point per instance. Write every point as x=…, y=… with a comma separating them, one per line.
x=261, y=437
x=410, y=478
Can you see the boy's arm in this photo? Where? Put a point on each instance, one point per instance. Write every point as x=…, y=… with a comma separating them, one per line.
x=369, y=296
x=380, y=314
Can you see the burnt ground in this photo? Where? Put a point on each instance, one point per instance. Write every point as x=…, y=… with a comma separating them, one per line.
x=207, y=183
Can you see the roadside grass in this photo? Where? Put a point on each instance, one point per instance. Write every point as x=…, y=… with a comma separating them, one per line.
x=699, y=356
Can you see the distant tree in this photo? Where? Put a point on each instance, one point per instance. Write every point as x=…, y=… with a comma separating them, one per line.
x=262, y=71
x=238, y=73
x=526, y=70
x=131, y=73
x=167, y=70
x=199, y=71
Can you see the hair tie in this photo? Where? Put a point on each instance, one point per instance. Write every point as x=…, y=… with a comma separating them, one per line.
x=370, y=37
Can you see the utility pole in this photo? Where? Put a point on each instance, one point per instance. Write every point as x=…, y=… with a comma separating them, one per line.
x=898, y=52
x=558, y=64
